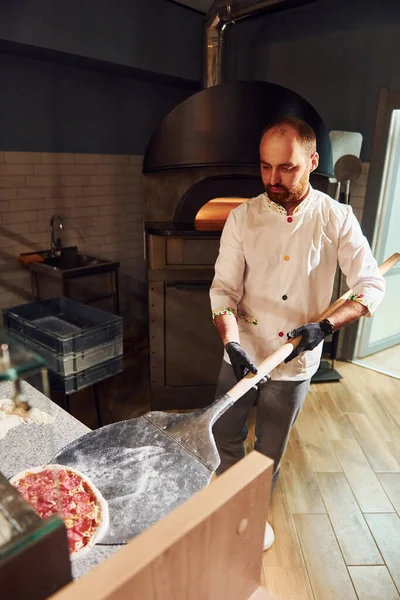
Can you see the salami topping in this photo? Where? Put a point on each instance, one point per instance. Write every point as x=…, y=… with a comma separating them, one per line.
x=70, y=482
x=60, y=490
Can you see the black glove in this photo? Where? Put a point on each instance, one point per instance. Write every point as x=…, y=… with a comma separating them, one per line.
x=312, y=335
x=240, y=360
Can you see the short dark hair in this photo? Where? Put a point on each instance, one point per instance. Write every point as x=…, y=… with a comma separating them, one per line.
x=304, y=131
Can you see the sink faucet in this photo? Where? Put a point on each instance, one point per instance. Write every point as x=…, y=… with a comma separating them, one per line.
x=55, y=247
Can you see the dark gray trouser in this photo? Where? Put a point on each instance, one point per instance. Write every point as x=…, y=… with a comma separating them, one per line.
x=279, y=404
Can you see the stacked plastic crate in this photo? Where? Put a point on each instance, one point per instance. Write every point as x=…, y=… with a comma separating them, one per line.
x=82, y=345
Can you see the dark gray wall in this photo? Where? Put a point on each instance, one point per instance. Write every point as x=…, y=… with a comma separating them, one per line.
x=94, y=75
x=336, y=54
x=51, y=107
x=154, y=35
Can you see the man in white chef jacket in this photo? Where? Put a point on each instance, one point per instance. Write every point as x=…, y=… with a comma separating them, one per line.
x=275, y=271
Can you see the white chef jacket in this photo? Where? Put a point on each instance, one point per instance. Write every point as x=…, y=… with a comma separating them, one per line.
x=276, y=272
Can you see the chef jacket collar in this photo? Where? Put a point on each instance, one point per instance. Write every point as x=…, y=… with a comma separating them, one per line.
x=277, y=208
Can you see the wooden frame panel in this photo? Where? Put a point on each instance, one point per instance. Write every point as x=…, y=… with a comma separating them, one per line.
x=207, y=549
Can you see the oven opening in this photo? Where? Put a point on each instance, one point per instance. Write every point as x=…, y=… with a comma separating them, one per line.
x=213, y=214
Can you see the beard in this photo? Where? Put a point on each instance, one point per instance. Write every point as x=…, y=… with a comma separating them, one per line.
x=288, y=195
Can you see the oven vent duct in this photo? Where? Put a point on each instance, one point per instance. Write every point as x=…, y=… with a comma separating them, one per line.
x=224, y=12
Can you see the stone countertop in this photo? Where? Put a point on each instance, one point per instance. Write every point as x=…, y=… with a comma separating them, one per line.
x=27, y=446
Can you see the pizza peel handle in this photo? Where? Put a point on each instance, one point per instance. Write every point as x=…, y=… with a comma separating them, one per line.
x=200, y=423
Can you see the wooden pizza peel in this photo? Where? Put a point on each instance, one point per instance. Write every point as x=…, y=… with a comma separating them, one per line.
x=146, y=467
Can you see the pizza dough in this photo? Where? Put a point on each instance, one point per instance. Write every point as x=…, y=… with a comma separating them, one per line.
x=56, y=489
x=8, y=420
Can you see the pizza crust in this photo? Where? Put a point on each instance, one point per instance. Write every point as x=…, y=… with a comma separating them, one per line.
x=102, y=503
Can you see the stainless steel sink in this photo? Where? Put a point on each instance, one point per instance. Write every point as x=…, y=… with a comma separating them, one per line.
x=73, y=261
x=71, y=264
x=87, y=279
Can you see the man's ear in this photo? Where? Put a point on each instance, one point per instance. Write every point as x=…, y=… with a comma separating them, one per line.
x=314, y=161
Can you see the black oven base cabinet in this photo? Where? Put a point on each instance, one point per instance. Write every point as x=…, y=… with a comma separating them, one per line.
x=185, y=348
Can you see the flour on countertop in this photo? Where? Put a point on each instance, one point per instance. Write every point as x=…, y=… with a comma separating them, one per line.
x=38, y=417
x=9, y=421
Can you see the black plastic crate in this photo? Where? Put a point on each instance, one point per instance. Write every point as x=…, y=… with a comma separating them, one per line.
x=62, y=324
x=83, y=379
x=68, y=364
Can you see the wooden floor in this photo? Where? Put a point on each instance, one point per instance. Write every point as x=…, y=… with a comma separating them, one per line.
x=386, y=360
x=335, y=510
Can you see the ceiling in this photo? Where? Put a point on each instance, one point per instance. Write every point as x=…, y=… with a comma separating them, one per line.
x=201, y=5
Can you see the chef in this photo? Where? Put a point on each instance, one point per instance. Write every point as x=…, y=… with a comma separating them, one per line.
x=274, y=274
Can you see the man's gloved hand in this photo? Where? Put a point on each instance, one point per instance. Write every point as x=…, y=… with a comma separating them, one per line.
x=312, y=334
x=240, y=360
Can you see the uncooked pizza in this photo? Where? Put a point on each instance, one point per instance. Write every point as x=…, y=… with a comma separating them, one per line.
x=56, y=489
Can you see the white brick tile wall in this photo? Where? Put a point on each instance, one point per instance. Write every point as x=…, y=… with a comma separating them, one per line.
x=99, y=198
x=53, y=158
x=12, y=181
x=8, y=194
x=24, y=158
x=17, y=170
x=89, y=159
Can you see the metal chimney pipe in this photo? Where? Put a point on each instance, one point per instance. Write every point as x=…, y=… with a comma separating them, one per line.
x=213, y=50
x=225, y=12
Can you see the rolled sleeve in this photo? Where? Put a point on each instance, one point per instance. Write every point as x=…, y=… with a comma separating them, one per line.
x=359, y=266
x=227, y=287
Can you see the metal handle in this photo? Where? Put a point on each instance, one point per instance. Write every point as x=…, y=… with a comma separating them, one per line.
x=347, y=192
x=188, y=287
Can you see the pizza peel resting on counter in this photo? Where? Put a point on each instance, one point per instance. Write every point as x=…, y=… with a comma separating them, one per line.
x=147, y=466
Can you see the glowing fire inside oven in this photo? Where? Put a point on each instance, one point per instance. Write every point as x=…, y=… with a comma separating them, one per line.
x=212, y=216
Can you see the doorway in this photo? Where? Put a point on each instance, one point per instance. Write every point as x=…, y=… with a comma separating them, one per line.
x=378, y=338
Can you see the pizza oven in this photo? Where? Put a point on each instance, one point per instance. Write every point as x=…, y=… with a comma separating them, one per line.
x=202, y=161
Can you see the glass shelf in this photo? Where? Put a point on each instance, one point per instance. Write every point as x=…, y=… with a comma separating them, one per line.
x=20, y=370
x=16, y=360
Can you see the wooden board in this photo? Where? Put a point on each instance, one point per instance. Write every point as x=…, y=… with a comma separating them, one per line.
x=385, y=427
x=395, y=449
x=263, y=579
x=386, y=531
x=208, y=549
x=286, y=551
x=391, y=485
x=354, y=537
x=375, y=449
x=344, y=395
x=289, y=583
x=364, y=482
x=373, y=583
x=329, y=577
x=302, y=490
x=261, y=594
x=316, y=441
x=335, y=423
